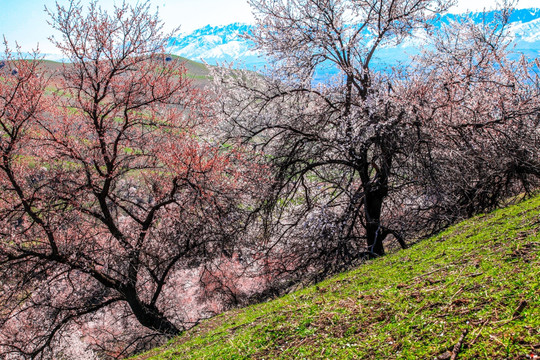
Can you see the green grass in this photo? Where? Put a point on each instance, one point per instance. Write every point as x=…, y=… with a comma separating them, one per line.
x=480, y=279
x=193, y=67
x=195, y=70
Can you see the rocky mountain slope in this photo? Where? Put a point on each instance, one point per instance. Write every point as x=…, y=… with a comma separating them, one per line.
x=219, y=44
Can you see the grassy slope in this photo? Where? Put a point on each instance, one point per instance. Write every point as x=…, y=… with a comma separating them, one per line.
x=197, y=71
x=480, y=278
x=194, y=69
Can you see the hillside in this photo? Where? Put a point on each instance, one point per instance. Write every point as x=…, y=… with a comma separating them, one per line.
x=478, y=283
x=197, y=71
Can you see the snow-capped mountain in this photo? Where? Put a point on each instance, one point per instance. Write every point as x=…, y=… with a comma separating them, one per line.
x=526, y=32
x=219, y=44
x=524, y=28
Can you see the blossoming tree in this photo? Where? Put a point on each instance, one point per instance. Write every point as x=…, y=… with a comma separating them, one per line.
x=109, y=183
x=376, y=154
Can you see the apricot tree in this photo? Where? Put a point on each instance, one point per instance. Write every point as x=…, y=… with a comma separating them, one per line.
x=376, y=153
x=109, y=183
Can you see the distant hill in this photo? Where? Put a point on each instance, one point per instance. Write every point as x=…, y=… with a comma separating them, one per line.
x=473, y=290
x=195, y=70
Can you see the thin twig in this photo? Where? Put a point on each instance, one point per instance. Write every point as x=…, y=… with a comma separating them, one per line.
x=515, y=315
x=455, y=294
x=429, y=273
x=521, y=306
x=478, y=331
x=457, y=347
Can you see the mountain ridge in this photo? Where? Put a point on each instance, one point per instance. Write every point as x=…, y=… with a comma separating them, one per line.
x=228, y=43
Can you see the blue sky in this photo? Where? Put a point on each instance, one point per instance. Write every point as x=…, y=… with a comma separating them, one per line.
x=25, y=21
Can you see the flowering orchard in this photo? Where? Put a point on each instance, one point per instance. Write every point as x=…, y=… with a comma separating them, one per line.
x=122, y=205
x=375, y=155
x=109, y=185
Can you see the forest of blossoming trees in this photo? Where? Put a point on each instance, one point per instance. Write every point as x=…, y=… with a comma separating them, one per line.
x=134, y=204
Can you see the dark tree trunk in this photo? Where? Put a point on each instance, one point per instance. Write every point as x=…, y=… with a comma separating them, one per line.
x=374, y=232
x=375, y=189
x=149, y=315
